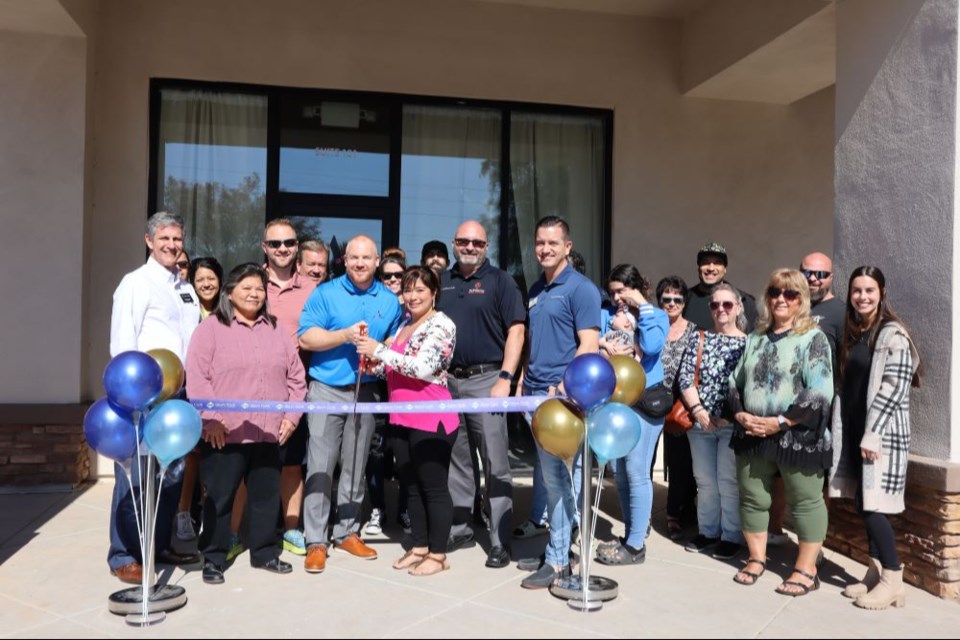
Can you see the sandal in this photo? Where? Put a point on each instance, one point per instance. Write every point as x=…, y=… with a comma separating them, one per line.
x=409, y=559
x=674, y=529
x=608, y=547
x=752, y=577
x=804, y=589
x=438, y=562
x=621, y=555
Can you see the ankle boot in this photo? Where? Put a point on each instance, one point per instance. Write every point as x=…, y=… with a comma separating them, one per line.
x=868, y=582
x=889, y=591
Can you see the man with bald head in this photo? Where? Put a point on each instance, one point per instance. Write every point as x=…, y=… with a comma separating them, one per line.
x=485, y=304
x=329, y=327
x=827, y=309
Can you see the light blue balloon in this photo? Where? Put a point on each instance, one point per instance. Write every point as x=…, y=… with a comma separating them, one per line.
x=172, y=430
x=613, y=430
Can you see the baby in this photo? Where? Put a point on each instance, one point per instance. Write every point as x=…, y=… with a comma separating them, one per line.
x=621, y=332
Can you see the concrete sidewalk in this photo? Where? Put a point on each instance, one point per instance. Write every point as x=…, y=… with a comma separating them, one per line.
x=54, y=583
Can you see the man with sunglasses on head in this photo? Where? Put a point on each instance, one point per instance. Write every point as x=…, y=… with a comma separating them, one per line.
x=712, y=270
x=486, y=305
x=287, y=292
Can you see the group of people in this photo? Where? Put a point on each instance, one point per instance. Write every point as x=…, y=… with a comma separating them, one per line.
x=758, y=381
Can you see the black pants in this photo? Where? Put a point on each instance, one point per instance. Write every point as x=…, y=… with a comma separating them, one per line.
x=423, y=464
x=880, y=535
x=681, y=487
x=221, y=470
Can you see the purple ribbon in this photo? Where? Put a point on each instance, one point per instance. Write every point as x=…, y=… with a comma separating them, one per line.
x=527, y=404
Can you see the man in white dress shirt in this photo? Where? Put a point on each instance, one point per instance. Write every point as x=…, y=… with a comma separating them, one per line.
x=152, y=309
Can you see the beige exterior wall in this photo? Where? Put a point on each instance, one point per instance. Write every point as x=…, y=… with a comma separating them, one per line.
x=755, y=177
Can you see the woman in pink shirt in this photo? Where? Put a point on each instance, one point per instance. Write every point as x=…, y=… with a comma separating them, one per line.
x=415, y=364
x=241, y=353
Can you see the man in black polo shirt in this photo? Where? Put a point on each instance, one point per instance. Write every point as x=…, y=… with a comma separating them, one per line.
x=485, y=304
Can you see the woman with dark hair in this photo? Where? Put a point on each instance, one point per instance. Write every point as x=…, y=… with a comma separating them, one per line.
x=630, y=289
x=681, y=486
x=780, y=397
x=415, y=364
x=391, y=272
x=206, y=276
x=871, y=428
x=240, y=353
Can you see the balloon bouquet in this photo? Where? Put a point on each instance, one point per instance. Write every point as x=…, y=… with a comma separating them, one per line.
x=597, y=408
x=138, y=418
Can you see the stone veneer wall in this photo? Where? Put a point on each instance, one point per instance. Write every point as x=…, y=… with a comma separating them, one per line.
x=928, y=532
x=40, y=446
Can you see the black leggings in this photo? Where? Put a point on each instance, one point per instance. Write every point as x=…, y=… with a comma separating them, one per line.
x=681, y=487
x=423, y=464
x=883, y=541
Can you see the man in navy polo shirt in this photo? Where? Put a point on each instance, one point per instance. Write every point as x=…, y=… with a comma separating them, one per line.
x=564, y=310
x=485, y=304
x=329, y=327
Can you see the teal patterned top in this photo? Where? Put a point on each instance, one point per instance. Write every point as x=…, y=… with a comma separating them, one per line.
x=789, y=375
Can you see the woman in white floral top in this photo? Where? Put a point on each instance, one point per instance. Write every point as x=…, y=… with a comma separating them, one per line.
x=415, y=363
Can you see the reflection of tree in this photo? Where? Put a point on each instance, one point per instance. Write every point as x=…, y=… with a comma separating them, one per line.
x=221, y=221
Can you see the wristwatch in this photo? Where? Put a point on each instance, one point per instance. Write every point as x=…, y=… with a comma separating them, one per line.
x=505, y=375
x=782, y=423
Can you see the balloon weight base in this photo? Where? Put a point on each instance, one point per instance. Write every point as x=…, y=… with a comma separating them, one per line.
x=139, y=620
x=129, y=602
x=601, y=590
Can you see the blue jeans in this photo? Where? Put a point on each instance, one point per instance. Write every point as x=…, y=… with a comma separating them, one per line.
x=561, y=503
x=634, y=484
x=539, y=514
x=124, y=536
x=718, y=494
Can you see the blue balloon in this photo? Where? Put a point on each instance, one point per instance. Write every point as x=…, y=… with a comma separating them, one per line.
x=172, y=430
x=590, y=380
x=613, y=431
x=133, y=380
x=110, y=431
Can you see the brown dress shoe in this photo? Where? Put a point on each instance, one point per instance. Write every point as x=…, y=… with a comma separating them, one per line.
x=353, y=545
x=130, y=573
x=316, y=560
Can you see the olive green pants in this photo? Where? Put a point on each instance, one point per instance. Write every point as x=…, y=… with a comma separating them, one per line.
x=804, y=492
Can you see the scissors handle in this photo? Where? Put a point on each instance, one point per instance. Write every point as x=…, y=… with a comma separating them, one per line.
x=363, y=358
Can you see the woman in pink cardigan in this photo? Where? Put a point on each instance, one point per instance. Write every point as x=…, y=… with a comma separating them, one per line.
x=241, y=353
x=415, y=363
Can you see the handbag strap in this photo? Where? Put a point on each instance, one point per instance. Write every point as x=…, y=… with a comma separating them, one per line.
x=696, y=371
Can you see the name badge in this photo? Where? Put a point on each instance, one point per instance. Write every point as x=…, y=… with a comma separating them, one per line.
x=187, y=298
x=532, y=303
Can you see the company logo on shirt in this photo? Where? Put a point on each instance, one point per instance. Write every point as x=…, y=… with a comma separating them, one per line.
x=477, y=288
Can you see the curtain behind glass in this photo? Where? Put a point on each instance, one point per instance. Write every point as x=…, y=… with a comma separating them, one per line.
x=212, y=160
x=450, y=173
x=556, y=168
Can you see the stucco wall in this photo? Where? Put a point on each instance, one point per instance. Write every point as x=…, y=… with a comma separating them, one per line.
x=755, y=177
x=895, y=181
x=41, y=189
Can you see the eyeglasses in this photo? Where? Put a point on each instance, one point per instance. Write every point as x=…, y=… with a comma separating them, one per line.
x=395, y=275
x=671, y=300
x=788, y=294
x=276, y=244
x=726, y=304
x=819, y=275
x=463, y=242
x=183, y=264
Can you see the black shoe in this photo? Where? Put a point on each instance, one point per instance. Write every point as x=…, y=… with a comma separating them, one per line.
x=461, y=541
x=544, y=577
x=726, y=550
x=276, y=566
x=701, y=544
x=212, y=574
x=530, y=564
x=498, y=557
x=177, y=559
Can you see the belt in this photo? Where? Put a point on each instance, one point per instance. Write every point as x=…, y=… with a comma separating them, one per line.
x=474, y=370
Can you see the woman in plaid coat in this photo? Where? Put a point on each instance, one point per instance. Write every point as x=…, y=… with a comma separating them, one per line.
x=871, y=429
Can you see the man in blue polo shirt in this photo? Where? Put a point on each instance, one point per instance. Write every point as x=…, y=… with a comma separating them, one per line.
x=564, y=310
x=329, y=327
x=485, y=304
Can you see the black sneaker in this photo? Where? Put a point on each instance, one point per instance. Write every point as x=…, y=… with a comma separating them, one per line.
x=544, y=577
x=701, y=544
x=461, y=541
x=726, y=550
x=212, y=574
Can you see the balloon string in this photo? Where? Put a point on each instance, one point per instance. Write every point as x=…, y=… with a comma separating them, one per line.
x=596, y=508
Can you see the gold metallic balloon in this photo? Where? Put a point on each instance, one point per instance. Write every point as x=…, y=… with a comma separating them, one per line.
x=558, y=427
x=173, y=375
x=631, y=380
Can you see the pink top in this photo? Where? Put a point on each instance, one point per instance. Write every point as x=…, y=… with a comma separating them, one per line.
x=406, y=389
x=242, y=362
x=286, y=302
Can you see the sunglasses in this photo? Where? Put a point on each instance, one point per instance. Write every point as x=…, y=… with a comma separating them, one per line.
x=788, y=294
x=819, y=275
x=463, y=242
x=183, y=264
x=726, y=304
x=276, y=244
x=671, y=300
x=396, y=275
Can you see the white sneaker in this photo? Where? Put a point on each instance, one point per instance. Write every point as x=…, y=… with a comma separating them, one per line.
x=185, y=526
x=374, y=526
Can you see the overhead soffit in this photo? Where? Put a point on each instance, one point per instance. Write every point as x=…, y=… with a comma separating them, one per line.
x=640, y=8
x=37, y=16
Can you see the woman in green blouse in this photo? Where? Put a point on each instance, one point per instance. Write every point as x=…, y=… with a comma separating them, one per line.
x=781, y=394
